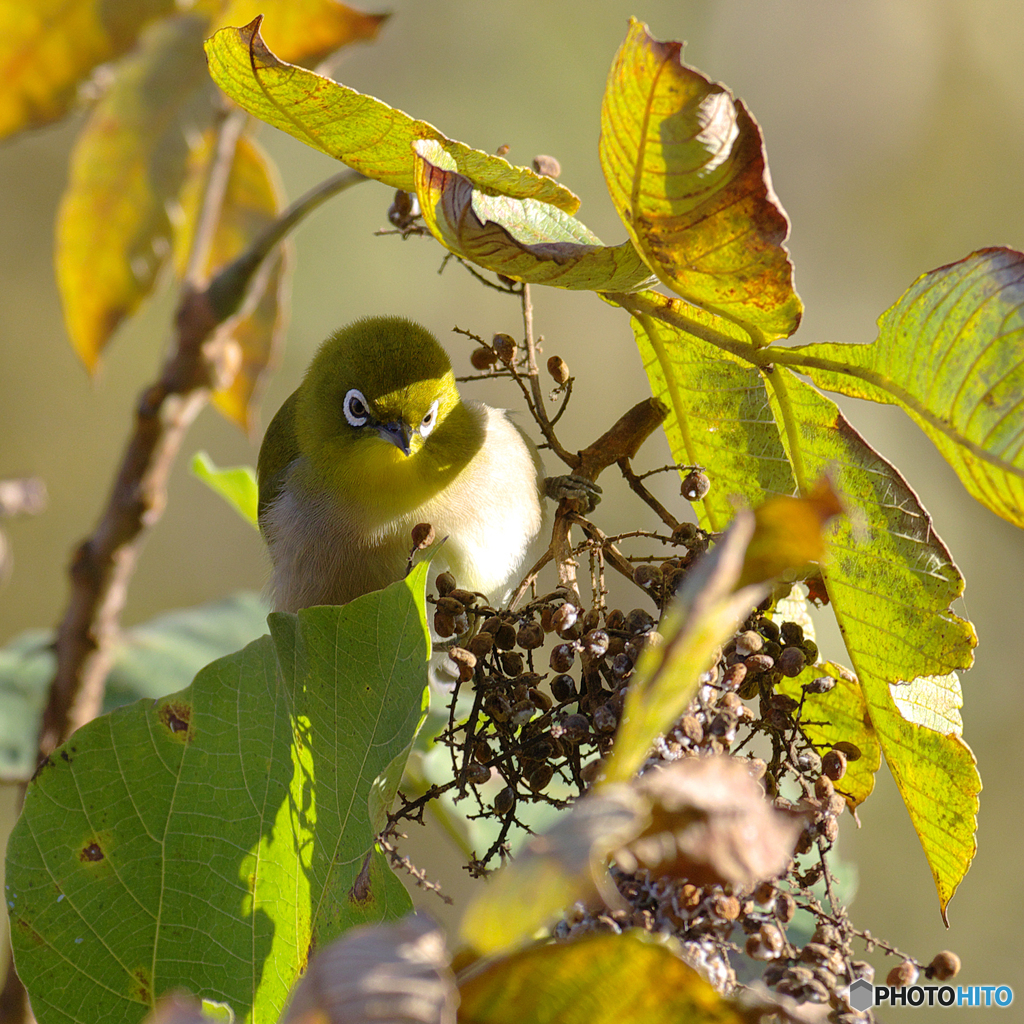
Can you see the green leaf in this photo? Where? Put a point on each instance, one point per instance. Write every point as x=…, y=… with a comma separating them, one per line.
x=685, y=165
x=158, y=657
x=890, y=579
x=208, y=840
x=599, y=979
x=950, y=353
x=127, y=168
x=523, y=239
x=48, y=47
x=252, y=202
x=235, y=484
x=836, y=716
x=359, y=130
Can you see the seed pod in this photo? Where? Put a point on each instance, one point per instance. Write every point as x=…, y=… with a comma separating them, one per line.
x=809, y=761
x=537, y=781
x=692, y=729
x=540, y=699
x=605, y=718
x=944, y=965
x=764, y=894
x=595, y=643
x=757, y=768
x=497, y=707
x=445, y=583
x=563, y=688
x=444, y=623
x=614, y=619
x=748, y=643
x=564, y=617
x=422, y=536
x=505, y=347
x=792, y=633
x=769, y=630
x=830, y=829
x=648, y=577
x=592, y=770
x=758, y=663
x=483, y=358
x=504, y=636
x=511, y=662
x=563, y=656
x=785, y=907
x=559, y=369
x=695, y=486
x=465, y=597
x=810, y=649
x=465, y=662
x=734, y=676
x=482, y=751
x=850, y=750
x=481, y=644
x=575, y=728
x=547, y=165
x=823, y=788
x=833, y=765
x=725, y=907
x=477, y=774
x=522, y=712
x=792, y=661
x=902, y=975
x=772, y=938
x=823, y=684
x=638, y=621
x=622, y=665
x=505, y=801
x=530, y=636
x=491, y=625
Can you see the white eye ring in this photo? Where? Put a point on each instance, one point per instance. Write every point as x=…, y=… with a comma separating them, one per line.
x=356, y=409
x=428, y=421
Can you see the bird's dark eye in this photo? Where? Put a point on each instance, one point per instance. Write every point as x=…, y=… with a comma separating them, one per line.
x=355, y=408
x=428, y=421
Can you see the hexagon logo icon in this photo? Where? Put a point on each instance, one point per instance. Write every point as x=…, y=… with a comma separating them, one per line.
x=861, y=995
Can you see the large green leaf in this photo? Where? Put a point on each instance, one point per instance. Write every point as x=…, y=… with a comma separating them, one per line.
x=890, y=578
x=521, y=238
x=47, y=47
x=950, y=353
x=209, y=840
x=359, y=130
x=149, y=660
x=128, y=165
x=685, y=165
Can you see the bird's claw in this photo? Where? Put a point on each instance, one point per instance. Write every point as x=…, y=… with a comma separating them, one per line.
x=574, y=488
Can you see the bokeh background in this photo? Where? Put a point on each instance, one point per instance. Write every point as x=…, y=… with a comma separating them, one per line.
x=895, y=137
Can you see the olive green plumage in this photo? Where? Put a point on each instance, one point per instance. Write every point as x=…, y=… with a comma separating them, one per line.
x=376, y=439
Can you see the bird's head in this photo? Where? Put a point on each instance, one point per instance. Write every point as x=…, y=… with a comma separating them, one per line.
x=379, y=411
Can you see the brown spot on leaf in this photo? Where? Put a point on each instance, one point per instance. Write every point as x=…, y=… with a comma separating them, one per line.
x=360, y=891
x=177, y=716
x=91, y=852
x=142, y=985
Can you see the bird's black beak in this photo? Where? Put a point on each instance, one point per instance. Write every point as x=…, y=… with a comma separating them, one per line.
x=399, y=433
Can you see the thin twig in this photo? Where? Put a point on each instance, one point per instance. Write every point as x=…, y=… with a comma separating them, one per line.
x=636, y=485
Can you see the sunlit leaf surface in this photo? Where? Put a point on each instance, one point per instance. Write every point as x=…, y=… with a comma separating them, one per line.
x=205, y=841
x=359, y=130
x=686, y=169
x=950, y=353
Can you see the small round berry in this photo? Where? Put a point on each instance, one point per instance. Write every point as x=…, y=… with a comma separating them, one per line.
x=833, y=765
x=559, y=369
x=696, y=485
x=483, y=358
x=547, y=165
x=944, y=965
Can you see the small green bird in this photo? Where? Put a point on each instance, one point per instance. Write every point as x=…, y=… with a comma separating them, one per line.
x=375, y=440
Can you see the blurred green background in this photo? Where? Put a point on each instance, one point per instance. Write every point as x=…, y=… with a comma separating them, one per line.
x=895, y=136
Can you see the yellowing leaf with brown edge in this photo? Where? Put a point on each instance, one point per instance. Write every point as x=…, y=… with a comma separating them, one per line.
x=128, y=165
x=686, y=169
x=305, y=31
x=599, y=979
x=358, y=130
x=251, y=203
x=521, y=238
x=47, y=47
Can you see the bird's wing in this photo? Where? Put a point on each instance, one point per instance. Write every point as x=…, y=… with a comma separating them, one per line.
x=279, y=450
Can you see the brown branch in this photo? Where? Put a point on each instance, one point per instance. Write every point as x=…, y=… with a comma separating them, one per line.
x=103, y=564
x=636, y=485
